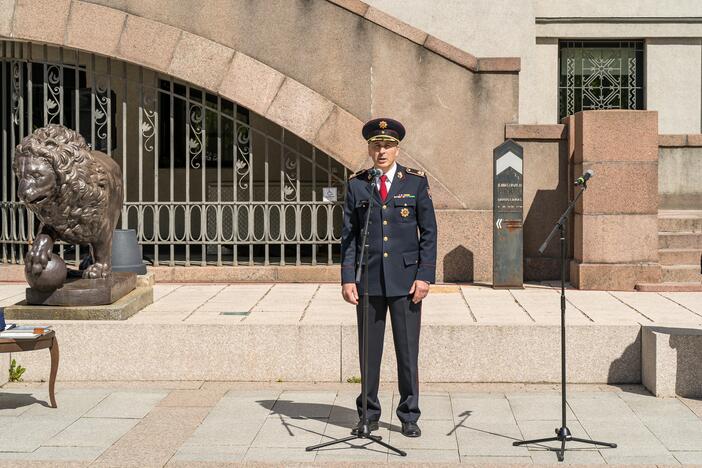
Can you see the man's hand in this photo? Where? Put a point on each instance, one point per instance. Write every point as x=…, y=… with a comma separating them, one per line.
x=350, y=293
x=420, y=289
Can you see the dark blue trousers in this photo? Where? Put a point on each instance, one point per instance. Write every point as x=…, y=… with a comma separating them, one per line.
x=406, y=318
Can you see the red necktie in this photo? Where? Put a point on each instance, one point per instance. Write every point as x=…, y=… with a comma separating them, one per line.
x=383, y=187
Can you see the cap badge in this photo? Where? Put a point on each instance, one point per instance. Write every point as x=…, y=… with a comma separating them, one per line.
x=383, y=124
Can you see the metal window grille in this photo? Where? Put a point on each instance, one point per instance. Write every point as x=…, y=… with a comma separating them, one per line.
x=600, y=75
x=207, y=182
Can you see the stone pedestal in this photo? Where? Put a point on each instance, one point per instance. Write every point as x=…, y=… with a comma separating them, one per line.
x=122, y=309
x=140, y=295
x=671, y=359
x=86, y=292
x=616, y=222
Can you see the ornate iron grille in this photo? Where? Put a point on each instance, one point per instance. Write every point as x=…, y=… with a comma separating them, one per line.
x=207, y=182
x=600, y=75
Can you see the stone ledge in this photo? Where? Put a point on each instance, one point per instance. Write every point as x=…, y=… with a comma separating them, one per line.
x=670, y=361
x=99, y=351
x=451, y=53
x=393, y=24
x=429, y=42
x=12, y=273
x=149, y=279
x=354, y=6
x=672, y=141
x=536, y=132
x=499, y=64
x=613, y=276
x=692, y=140
x=669, y=287
x=265, y=274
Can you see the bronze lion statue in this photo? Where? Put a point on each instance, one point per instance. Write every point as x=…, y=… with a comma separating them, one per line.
x=75, y=192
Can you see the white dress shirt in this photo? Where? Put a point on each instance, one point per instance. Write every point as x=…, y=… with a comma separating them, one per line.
x=390, y=174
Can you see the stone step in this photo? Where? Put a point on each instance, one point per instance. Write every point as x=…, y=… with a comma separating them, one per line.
x=669, y=287
x=681, y=274
x=680, y=220
x=680, y=240
x=294, y=352
x=679, y=256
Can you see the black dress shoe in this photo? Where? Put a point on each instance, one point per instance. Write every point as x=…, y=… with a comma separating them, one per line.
x=373, y=426
x=411, y=429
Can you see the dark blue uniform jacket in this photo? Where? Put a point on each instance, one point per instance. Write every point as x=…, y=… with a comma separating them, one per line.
x=402, y=233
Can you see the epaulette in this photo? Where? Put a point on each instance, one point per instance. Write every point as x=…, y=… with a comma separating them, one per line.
x=357, y=174
x=416, y=172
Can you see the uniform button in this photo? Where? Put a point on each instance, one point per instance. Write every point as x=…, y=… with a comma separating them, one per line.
x=385, y=238
x=385, y=254
x=385, y=222
x=385, y=207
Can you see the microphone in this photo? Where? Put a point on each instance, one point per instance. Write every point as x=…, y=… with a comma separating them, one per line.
x=374, y=173
x=582, y=180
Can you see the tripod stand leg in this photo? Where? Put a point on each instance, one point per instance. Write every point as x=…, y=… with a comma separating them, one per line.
x=593, y=442
x=331, y=442
x=560, y=454
x=533, y=441
x=377, y=440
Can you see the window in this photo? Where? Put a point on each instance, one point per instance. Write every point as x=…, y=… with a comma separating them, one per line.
x=600, y=75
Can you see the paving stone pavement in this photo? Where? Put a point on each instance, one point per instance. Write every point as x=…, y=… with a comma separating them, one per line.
x=312, y=304
x=195, y=423
x=225, y=423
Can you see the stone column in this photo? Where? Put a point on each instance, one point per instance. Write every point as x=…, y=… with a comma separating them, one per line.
x=616, y=221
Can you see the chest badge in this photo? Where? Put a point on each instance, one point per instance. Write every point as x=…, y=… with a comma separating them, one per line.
x=404, y=212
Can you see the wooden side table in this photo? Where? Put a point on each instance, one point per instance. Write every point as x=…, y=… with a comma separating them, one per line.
x=48, y=340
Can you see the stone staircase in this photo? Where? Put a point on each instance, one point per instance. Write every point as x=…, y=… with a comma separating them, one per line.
x=679, y=251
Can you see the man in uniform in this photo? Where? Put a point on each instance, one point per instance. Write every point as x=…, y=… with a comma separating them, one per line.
x=401, y=264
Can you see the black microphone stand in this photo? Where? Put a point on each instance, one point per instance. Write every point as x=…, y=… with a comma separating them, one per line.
x=362, y=265
x=563, y=434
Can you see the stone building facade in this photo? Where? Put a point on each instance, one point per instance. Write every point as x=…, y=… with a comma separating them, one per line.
x=233, y=119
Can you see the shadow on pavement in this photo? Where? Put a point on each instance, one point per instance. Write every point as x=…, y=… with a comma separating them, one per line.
x=342, y=417
x=19, y=400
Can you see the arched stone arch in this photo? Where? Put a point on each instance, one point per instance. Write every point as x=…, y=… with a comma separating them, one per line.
x=200, y=61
